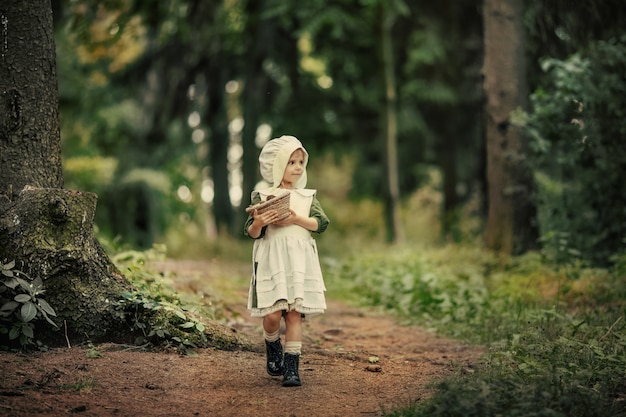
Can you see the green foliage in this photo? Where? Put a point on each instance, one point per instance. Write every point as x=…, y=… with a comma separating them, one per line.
x=556, y=336
x=156, y=312
x=559, y=366
x=142, y=84
x=81, y=384
x=92, y=351
x=417, y=287
x=21, y=304
x=577, y=128
x=114, y=143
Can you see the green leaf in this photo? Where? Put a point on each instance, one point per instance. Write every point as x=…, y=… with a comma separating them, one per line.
x=188, y=325
x=24, y=284
x=10, y=306
x=29, y=311
x=28, y=332
x=10, y=265
x=200, y=327
x=93, y=353
x=49, y=320
x=14, y=333
x=37, y=284
x=22, y=298
x=46, y=307
x=11, y=283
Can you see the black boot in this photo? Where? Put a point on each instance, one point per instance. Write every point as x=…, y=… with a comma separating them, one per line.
x=291, y=378
x=274, y=352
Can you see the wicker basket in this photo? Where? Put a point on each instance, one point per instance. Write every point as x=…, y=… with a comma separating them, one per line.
x=280, y=203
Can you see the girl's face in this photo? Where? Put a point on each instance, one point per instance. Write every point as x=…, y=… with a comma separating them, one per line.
x=294, y=169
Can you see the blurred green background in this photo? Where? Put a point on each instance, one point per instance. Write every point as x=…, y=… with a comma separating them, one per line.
x=165, y=105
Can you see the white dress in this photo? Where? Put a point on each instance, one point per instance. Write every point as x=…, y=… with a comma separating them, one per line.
x=286, y=270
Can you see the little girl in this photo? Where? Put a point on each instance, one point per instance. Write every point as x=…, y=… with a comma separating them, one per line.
x=287, y=279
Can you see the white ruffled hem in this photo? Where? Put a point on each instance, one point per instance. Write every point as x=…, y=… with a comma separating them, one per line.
x=283, y=305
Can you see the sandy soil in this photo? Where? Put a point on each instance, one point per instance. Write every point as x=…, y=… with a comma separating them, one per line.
x=340, y=374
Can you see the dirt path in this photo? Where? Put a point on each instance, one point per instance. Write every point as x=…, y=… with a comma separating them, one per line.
x=339, y=379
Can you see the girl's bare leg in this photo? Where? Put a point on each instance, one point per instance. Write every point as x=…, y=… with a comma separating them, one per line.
x=271, y=322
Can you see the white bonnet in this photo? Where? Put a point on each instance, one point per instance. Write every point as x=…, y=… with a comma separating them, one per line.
x=275, y=156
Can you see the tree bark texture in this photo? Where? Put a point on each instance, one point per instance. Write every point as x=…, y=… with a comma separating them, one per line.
x=509, y=226
x=49, y=233
x=30, y=145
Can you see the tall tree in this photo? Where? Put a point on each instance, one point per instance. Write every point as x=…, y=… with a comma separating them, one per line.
x=30, y=150
x=390, y=122
x=45, y=229
x=260, y=35
x=510, y=228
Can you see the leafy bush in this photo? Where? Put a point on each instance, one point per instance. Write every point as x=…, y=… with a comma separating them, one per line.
x=556, y=336
x=577, y=128
x=558, y=366
x=419, y=286
x=21, y=304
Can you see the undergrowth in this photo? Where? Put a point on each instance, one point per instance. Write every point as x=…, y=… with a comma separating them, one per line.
x=153, y=311
x=21, y=305
x=159, y=315
x=555, y=335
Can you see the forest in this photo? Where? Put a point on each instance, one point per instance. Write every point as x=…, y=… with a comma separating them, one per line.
x=163, y=113
x=470, y=155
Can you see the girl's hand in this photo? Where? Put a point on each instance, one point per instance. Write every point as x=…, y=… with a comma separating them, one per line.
x=262, y=220
x=289, y=220
x=308, y=223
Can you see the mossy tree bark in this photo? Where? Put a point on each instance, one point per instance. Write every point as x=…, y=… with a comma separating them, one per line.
x=48, y=231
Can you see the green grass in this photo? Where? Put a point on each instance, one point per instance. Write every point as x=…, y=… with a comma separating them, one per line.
x=85, y=384
x=555, y=336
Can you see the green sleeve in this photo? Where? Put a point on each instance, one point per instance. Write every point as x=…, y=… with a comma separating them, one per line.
x=318, y=213
x=256, y=198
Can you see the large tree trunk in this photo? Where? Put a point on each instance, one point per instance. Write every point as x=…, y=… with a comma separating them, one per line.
x=46, y=230
x=30, y=146
x=49, y=232
x=511, y=212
